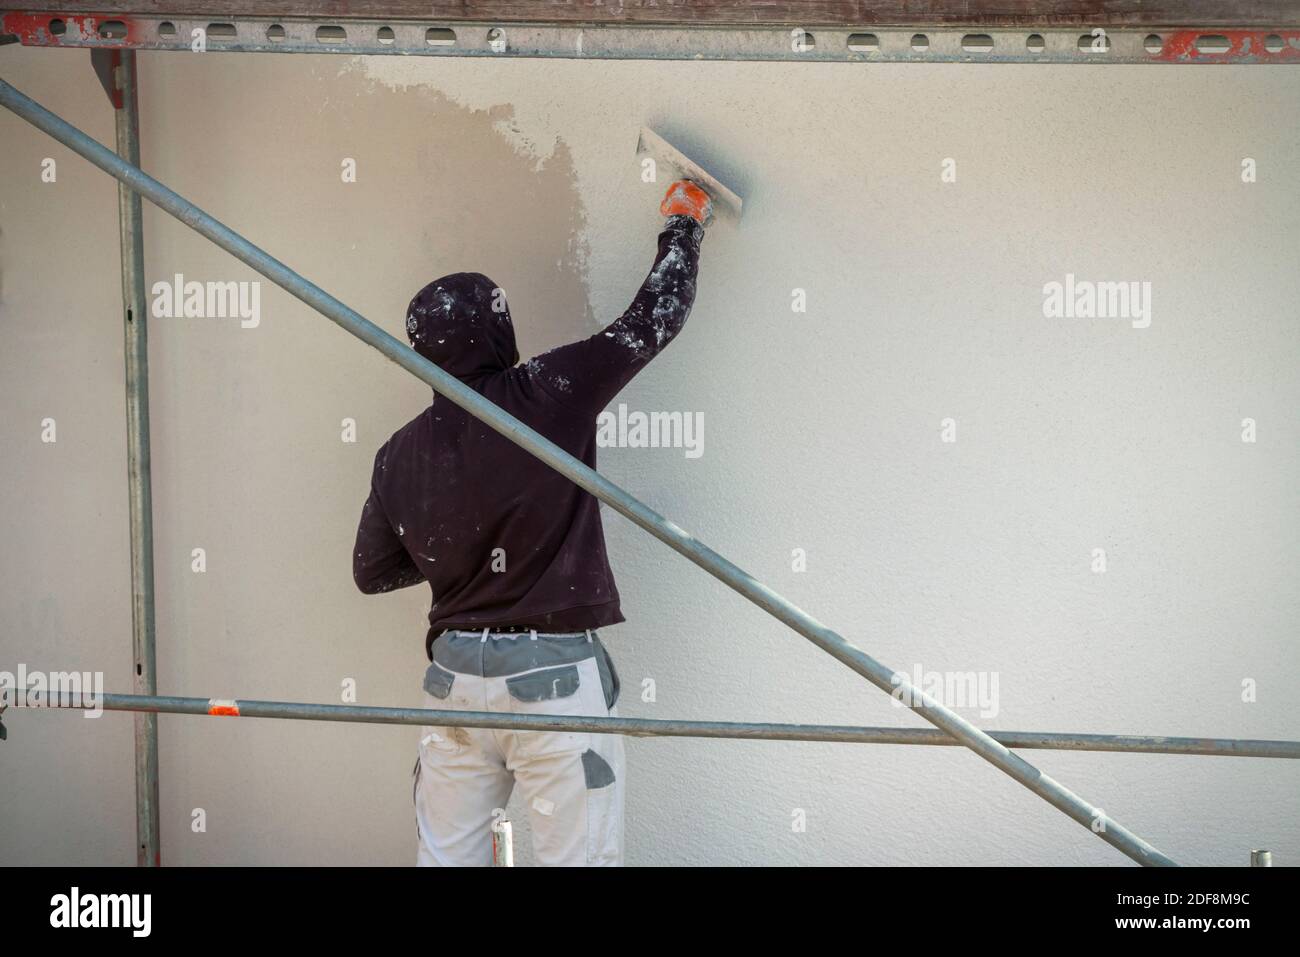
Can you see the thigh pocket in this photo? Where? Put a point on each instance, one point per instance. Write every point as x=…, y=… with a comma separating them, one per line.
x=550, y=691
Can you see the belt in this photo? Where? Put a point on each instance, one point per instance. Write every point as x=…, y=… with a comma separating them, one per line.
x=514, y=630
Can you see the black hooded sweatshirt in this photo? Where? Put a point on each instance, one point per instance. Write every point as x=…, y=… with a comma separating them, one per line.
x=501, y=538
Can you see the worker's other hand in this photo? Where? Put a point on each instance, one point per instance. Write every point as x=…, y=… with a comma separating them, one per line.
x=685, y=198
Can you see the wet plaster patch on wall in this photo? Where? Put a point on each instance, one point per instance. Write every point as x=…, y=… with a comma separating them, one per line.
x=474, y=190
x=594, y=117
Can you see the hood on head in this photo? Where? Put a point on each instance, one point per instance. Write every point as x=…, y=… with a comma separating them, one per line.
x=452, y=323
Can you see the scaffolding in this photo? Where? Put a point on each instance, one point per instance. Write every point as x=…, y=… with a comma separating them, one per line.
x=1266, y=35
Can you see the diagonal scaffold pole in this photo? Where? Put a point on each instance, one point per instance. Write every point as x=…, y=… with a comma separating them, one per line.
x=1053, y=792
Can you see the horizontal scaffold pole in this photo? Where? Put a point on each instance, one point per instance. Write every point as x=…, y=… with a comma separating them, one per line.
x=657, y=727
x=895, y=684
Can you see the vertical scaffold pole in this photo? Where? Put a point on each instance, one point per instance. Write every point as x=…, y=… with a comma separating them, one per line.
x=120, y=79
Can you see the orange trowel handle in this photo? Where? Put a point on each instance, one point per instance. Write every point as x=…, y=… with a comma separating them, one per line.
x=685, y=198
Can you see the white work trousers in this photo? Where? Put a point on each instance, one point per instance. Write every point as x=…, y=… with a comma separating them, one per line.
x=571, y=782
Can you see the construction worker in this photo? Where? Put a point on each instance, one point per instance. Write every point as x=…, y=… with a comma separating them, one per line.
x=515, y=556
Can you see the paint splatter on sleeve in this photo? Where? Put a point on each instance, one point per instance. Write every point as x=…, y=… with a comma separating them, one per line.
x=379, y=561
x=587, y=374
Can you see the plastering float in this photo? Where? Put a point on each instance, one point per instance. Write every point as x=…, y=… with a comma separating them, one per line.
x=725, y=199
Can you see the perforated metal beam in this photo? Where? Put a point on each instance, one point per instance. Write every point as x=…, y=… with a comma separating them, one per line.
x=1202, y=43
x=846, y=13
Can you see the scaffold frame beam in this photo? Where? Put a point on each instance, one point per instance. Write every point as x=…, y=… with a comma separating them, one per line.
x=234, y=28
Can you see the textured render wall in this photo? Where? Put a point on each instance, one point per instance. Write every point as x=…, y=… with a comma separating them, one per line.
x=821, y=432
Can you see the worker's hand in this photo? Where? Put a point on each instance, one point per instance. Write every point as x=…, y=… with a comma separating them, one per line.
x=685, y=198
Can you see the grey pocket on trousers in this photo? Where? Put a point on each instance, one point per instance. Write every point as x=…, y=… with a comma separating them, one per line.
x=608, y=676
x=545, y=684
x=438, y=682
x=596, y=771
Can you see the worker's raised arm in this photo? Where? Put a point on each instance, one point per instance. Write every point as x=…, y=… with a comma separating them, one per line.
x=379, y=562
x=587, y=374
